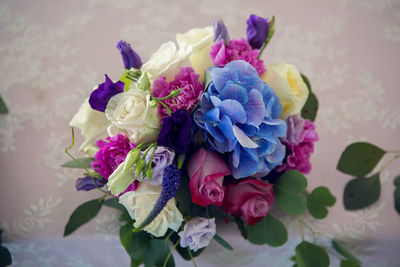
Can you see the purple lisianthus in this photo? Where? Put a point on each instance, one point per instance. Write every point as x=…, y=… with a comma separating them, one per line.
x=220, y=31
x=257, y=31
x=129, y=56
x=89, y=183
x=299, y=142
x=99, y=97
x=175, y=131
x=162, y=158
x=112, y=152
x=222, y=54
x=191, y=88
x=197, y=233
x=238, y=114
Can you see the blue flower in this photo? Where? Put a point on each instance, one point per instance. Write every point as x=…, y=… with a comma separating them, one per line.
x=238, y=114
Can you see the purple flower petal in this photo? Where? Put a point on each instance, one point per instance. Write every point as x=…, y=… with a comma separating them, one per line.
x=87, y=184
x=220, y=31
x=257, y=31
x=129, y=56
x=99, y=97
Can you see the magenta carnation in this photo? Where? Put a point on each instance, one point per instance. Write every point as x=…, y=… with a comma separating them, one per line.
x=222, y=54
x=191, y=88
x=112, y=152
x=299, y=142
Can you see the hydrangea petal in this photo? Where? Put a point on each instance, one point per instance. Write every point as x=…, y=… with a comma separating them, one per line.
x=255, y=108
x=242, y=138
x=234, y=110
x=235, y=91
x=211, y=116
x=215, y=132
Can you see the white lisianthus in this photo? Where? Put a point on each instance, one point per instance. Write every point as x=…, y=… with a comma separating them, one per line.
x=130, y=111
x=286, y=81
x=139, y=203
x=93, y=125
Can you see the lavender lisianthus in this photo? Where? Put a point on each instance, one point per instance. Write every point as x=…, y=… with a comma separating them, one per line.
x=162, y=158
x=220, y=31
x=257, y=31
x=197, y=233
x=238, y=114
x=176, y=131
x=89, y=183
x=102, y=94
x=129, y=56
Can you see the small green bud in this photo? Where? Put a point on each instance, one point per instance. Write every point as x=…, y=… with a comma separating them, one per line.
x=140, y=166
x=149, y=173
x=144, y=82
x=152, y=103
x=175, y=92
x=132, y=157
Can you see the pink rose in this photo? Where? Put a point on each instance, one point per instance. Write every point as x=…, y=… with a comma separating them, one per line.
x=251, y=198
x=206, y=170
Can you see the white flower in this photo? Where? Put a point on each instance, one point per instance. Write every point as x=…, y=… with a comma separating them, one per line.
x=93, y=125
x=139, y=203
x=197, y=233
x=288, y=85
x=130, y=111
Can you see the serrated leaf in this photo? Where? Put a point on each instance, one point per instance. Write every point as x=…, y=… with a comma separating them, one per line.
x=84, y=163
x=396, y=194
x=310, y=255
x=268, y=231
x=318, y=200
x=289, y=192
x=83, y=214
x=183, y=252
x=361, y=192
x=347, y=263
x=114, y=203
x=3, y=106
x=157, y=253
x=135, y=243
x=344, y=251
x=222, y=242
x=360, y=158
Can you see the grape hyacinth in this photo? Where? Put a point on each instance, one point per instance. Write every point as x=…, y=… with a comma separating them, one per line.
x=170, y=185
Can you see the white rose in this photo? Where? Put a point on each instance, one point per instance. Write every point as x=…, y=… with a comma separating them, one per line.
x=130, y=111
x=139, y=203
x=288, y=85
x=93, y=125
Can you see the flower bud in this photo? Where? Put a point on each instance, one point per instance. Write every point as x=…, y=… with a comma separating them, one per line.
x=140, y=166
x=257, y=31
x=220, y=31
x=129, y=56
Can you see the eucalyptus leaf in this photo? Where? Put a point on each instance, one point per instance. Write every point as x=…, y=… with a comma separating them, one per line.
x=83, y=214
x=268, y=231
x=347, y=263
x=114, y=203
x=396, y=194
x=289, y=192
x=84, y=163
x=318, y=200
x=360, y=158
x=310, y=255
x=222, y=242
x=157, y=252
x=362, y=192
x=135, y=243
x=3, y=106
x=344, y=251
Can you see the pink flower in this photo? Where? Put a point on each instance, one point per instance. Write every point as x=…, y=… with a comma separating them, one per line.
x=206, y=170
x=222, y=54
x=191, y=89
x=112, y=152
x=299, y=142
x=250, y=198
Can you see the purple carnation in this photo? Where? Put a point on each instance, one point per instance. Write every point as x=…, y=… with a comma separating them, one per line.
x=175, y=131
x=88, y=183
x=197, y=233
x=132, y=187
x=129, y=56
x=99, y=97
x=257, y=31
x=112, y=152
x=299, y=142
x=191, y=88
x=222, y=54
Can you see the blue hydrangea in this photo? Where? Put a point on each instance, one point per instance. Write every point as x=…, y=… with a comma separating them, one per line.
x=238, y=114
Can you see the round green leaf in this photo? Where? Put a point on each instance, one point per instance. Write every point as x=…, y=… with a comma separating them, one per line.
x=156, y=254
x=360, y=158
x=268, y=231
x=362, y=192
x=310, y=255
x=289, y=192
x=83, y=214
x=318, y=200
x=396, y=194
x=344, y=251
x=135, y=243
x=347, y=263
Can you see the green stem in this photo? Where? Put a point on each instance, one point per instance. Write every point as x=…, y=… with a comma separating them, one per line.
x=191, y=256
x=301, y=228
x=312, y=230
x=393, y=151
x=144, y=156
x=390, y=162
x=172, y=94
x=165, y=106
x=105, y=192
x=170, y=252
x=262, y=49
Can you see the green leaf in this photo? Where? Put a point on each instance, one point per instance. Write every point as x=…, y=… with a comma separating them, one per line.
x=3, y=106
x=114, y=203
x=156, y=254
x=268, y=231
x=84, y=163
x=125, y=217
x=241, y=226
x=129, y=77
x=361, y=192
x=83, y=214
x=271, y=31
x=344, y=251
x=289, y=192
x=5, y=256
x=136, y=263
x=346, y=263
x=310, y=255
x=310, y=108
x=306, y=81
x=360, y=158
x=183, y=252
x=318, y=200
x=135, y=243
x=396, y=194
x=223, y=242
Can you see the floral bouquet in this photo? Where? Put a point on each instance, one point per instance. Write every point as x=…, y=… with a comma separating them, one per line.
x=202, y=134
